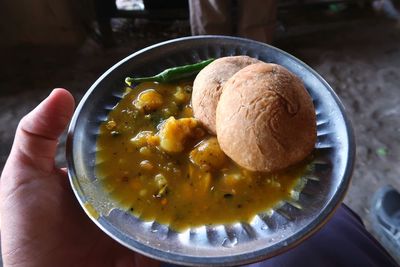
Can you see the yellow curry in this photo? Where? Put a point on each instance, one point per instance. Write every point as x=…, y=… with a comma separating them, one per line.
x=158, y=162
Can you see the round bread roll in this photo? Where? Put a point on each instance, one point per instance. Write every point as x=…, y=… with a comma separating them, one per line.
x=208, y=86
x=265, y=118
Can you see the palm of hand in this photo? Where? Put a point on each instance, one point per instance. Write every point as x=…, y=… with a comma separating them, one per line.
x=41, y=222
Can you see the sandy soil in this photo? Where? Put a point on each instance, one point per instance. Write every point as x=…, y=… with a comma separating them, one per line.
x=361, y=61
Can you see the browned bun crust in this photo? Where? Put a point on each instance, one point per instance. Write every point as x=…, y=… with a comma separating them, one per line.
x=208, y=86
x=265, y=118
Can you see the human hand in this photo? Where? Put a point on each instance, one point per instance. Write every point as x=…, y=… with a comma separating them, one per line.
x=41, y=222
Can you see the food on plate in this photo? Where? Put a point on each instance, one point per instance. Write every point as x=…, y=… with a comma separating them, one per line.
x=208, y=155
x=208, y=86
x=265, y=118
x=148, y=101
x=160, y=163
x=174, y=133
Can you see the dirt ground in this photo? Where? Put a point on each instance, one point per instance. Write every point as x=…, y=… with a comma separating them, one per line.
x=359, y=59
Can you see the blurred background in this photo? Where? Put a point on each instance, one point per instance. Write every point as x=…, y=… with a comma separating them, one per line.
x=354, y=45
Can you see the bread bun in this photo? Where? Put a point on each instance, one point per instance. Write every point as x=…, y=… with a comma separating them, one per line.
x=208, y=86
x=265, y=118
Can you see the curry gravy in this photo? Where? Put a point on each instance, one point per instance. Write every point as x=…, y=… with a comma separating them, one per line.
x=186, y=184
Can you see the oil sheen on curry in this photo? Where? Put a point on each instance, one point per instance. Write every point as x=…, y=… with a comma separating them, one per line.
x=159, y=163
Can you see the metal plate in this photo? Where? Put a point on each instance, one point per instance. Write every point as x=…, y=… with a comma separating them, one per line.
x=224, y=245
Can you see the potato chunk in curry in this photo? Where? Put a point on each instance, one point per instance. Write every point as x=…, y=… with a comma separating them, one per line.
x=148, y=101
x=145, y=138
x=174, y=133
x=208, y=155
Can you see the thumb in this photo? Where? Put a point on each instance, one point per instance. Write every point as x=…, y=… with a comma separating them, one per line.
x=37, y=134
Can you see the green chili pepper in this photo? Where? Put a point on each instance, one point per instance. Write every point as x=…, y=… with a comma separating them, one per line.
x=172, y=74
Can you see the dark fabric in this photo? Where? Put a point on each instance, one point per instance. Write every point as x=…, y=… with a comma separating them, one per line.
x=342, y=242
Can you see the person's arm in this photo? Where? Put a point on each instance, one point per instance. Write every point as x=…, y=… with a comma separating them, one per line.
x=42, y=223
